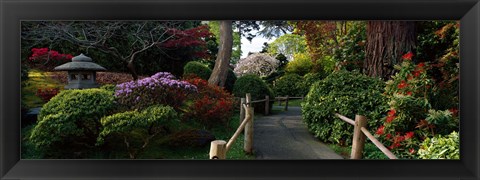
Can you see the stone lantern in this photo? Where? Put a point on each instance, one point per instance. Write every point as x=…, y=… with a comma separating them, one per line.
x=82, y=72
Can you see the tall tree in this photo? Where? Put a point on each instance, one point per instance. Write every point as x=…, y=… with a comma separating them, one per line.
x=270, y=29
x=288, y=45
x=220, y=70
x=387, y=41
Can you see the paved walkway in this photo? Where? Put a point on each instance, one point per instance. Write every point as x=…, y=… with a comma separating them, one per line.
x=285, y=136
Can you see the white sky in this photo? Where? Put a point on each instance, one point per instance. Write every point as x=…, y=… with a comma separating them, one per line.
x=254, y=46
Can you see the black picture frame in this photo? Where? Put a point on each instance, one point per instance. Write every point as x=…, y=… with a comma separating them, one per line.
x=13, y=11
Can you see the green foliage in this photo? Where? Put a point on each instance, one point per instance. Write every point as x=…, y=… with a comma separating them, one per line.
x=309, y=79
x=137, y=128
x=71, y=118
x=325, y=64
x=435, y=38
x=231, y=79
x=256, y=87
x=441, y=147
x=444, y=119
x=350, y=54
x=301, y=64
x=289, y=84
x=197, y=68
x=109, y=87
x=288, y=45
x=347, y=93
x=370, y=151
x=283, y=61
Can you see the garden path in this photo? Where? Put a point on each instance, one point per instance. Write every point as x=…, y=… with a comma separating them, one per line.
x=283, y=135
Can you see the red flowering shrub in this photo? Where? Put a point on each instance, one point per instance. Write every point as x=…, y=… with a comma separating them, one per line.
x=193, y=37
x=211, y=106
x=47, y=93
x=412, y=117
x=47, y=59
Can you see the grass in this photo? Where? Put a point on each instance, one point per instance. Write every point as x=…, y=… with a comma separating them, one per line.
x=341, y=150
x=370, y=151
x=291, y=102
x=37, y=79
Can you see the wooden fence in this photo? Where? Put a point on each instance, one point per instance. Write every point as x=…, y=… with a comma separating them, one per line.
x=219, y=148
x=359, y=134
x=267, y=102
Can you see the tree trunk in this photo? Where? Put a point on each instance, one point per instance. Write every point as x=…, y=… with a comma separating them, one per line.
x=387, y=41
x=131, y=68
x=219, y=73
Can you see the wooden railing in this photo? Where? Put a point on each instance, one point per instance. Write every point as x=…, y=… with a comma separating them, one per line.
x=219, y=148
x=267, y=102
x=286, y=98
x=359, y=134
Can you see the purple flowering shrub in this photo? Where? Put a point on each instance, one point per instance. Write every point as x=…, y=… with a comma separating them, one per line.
x=160, y=88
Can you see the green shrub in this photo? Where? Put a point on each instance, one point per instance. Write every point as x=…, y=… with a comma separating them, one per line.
x=370, y=151
x=197, y=68
x=309, y=79
x=301, y=64
x=289, y=84
x=72, y=118
x=109, y=87
x=441, y=147
x=347, y=93
x=256, y=87
x=137, y=128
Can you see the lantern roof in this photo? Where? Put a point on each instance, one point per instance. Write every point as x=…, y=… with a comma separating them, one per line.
x=80, y=62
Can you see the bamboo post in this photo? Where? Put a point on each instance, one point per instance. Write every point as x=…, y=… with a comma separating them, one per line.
x=267, y=105
x=286, y=103
x=358, y=137
x=248, y=142
x=218, y=149
x=242, y=110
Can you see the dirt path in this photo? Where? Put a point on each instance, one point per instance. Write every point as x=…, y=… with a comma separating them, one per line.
x=285, y=136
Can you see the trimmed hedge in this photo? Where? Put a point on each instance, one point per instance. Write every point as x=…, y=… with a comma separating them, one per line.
x=71, y=118
x=197, y=68
x=289, y=84
x=347, y=93
x=256, y=87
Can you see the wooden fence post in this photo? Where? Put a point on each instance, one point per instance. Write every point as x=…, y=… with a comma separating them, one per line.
x=248, y=142
x=267, y=105
x=286, y=104
x=248, y=99
x=218, y=149
x=242, y=110
x=358, y=137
